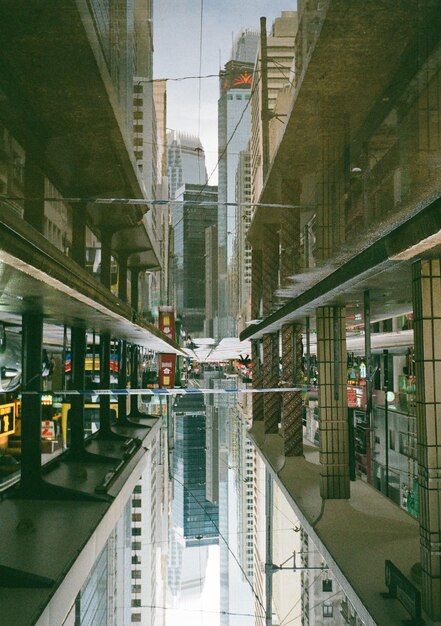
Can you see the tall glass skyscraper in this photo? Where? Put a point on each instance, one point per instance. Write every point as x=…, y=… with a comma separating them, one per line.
x=234, y=115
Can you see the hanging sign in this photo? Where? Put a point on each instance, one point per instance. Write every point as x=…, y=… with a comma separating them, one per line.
x=167, y=321
x=167, y=370
x=7, y=418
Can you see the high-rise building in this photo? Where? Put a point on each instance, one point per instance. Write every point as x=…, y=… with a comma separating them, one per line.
x=74, y=266
x=195, y=210
x=242, y=252
x=357, y=238
x=280, y=76
x=185, y=161
x=197, y=516
x=234, y=119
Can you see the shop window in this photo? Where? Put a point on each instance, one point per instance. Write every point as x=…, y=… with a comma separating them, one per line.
x=328, y=610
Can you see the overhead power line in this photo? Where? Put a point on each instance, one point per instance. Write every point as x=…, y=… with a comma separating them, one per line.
x=147, y=201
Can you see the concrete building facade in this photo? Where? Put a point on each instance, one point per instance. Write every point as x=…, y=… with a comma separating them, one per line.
x=356, y=169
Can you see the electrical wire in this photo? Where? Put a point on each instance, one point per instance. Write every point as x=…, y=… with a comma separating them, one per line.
x=226, y=544
x=283, y=622
x=312, y=607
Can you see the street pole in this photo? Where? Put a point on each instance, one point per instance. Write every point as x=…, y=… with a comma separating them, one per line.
x=269, y=548
x=264, y=97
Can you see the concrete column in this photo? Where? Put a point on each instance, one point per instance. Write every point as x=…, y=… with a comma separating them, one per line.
x=257, y=380
x=122, y=278
x=292, y=419
x=134, y=288
x=78, y=341
x=332, y=367
x=271, y=401
x=105, y=420
x=32, y=338
x=106, y=257
x=122, y=381
x=33, y=193
x=79, y=234
x=256, y=297
x=426, y=279
x=270, y=267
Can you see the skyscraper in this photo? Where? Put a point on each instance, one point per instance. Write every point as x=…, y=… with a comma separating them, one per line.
x=194, y=212
x=234, y=113
x=185, y=161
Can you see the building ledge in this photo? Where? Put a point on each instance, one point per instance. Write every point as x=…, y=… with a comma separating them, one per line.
x=354, y=536
x=65, y=292
x=61, y=540
x=382, y=267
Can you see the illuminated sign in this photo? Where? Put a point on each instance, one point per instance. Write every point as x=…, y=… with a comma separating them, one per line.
x=238, y=80
x=7, y=419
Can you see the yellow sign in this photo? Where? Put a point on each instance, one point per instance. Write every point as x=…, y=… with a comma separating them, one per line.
x=7, y=419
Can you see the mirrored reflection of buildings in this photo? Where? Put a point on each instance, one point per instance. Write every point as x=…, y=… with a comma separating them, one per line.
x=95, y=272
x=194, y=524
x=351, y=264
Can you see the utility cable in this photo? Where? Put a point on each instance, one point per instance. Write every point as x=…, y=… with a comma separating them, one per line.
x=226, y=544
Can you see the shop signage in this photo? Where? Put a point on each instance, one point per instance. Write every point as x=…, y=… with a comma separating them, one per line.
x=356, y=396
x=403, y=590
x=7, y=419
x=167, y=321
x=167, y=370
x=47, y=428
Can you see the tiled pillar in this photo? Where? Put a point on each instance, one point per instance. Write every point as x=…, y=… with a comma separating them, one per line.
x=271, y=401
x=256, y=296
x=426, y=278
x=332, y=367
x=270, y=268
x=292, y=400
x=257, y=381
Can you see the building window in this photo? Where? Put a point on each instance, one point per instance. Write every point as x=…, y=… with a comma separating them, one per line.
x=137, y=489
x=138, y=88
x=136, y=503
x=136, y=574
x=136, y=602
x=136, y=545
x=328, y=609
x=137, y=115
x=136, y=617
x=136, y=588
x=136, y=532
x=327, y=585
x=136, y=517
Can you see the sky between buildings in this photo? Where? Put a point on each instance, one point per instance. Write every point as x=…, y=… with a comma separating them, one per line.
x=177, y=28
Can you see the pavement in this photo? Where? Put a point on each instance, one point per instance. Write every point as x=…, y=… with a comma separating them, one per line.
x=355, y=536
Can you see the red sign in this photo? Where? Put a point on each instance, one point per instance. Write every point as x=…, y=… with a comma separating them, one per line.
x=356, y=396
x=167, y=370
x=167, y=321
